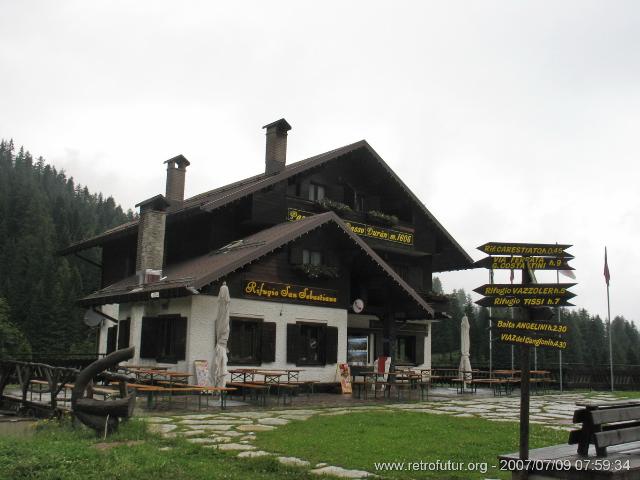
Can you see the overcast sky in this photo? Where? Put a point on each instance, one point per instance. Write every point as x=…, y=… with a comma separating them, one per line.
x=512, y=121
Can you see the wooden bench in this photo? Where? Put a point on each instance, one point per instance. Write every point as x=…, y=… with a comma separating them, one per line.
x=259, y=392
x=308, y=384
x=283, y=390
x=497, y=385
x=605, y=425
x=43, y=387
x=362, y=388
x=410, y=383
x=464, y=385
x=223, y=391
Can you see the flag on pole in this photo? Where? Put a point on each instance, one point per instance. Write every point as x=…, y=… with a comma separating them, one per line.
x=607, y=276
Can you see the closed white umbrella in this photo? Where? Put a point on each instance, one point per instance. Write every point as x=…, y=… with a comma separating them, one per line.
x=219, y=367
x=465, y=363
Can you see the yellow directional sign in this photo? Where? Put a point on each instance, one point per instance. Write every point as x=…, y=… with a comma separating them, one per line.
x=520, y=263
x=525, y=249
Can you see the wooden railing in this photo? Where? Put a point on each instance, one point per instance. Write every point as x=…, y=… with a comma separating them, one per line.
x=578, y=376
x=49, y=380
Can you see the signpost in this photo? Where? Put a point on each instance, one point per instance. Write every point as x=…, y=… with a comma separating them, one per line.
x=520, y=263
x=510, y=290
x=528, y=301
x=526, y=249
x=534, y=299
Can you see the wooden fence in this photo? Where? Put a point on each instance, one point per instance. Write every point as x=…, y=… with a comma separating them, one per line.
x=32, y=378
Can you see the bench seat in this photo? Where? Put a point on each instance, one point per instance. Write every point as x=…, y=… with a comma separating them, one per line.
x=605, y=425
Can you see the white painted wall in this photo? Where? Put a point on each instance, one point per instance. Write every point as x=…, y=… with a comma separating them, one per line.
x=201, y=333
x=201, y=311
x=136, y=311
x=112, y=311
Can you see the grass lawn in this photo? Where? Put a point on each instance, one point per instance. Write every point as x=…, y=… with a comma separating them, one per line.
x=358, y=440
x=631, y=395
x=622, y=394
x=58, y=452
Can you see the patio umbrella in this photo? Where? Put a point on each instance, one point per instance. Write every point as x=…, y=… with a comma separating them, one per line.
x=222, y=337
x=465, y=364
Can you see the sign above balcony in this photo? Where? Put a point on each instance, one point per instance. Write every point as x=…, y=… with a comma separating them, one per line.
x=287, y=291
x=361, y=229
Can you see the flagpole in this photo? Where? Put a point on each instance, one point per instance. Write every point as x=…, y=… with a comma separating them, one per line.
x=606, y=276
x=610, y=335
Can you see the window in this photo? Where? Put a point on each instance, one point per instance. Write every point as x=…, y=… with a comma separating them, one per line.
x=316, y=192
x=358, y=349
x=311, y=344
x=406, y=349
x=244, y=341
x=122, y=336
x=164, y=338
x=311, y=257
x=310, y=339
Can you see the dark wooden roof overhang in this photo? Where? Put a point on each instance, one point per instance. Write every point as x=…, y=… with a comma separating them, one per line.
x=184, y=277
x=222, y=196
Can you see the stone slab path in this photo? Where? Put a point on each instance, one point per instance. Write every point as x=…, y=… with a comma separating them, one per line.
x=237, y=431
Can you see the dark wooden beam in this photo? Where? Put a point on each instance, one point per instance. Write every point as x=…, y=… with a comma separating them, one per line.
x=88, y=260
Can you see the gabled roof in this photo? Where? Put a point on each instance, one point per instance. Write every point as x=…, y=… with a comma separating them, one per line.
x=219, y=197
x=200, y=271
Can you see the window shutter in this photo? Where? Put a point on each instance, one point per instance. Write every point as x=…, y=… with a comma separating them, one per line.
x=111, y=339
x=148, y=341
x=292, y=343
x=268, y=342
x=419, y=349
x=331, y=345
x=295, y=256
x=123, y=334
x=180, y=337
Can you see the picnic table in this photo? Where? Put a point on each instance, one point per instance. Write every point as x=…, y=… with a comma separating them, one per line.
x=293, y=374
x=177, y=377
x=143, y=374
x=176, y=381
x=241, y=374
x=401, y=380
x=144, y=367
x=153, y=390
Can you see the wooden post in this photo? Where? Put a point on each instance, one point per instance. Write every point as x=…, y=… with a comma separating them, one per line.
x=524, y=387
x=392, y=343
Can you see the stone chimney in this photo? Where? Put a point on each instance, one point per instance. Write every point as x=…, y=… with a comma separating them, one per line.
x=276, y=152
x=176, y=171
x=151, y=229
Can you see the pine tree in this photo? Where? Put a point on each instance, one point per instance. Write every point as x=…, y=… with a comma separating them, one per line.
x=41, y=211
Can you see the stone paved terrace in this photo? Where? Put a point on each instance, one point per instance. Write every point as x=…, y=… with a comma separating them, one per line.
x=235, y=430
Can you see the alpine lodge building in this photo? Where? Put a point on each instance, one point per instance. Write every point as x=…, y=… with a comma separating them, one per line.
x=328, y=260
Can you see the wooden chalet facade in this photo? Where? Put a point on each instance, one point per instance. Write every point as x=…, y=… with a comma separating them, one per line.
x=297, y=245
